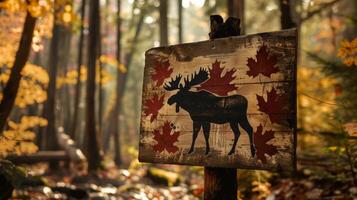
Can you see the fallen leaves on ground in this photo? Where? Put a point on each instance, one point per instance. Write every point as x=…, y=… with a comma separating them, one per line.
x=121, y=184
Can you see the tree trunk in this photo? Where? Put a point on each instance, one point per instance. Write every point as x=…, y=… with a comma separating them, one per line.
x=285, y=15
x=79, y=64
x=49, y=110
x=12, y=86
x=117, y=149
x=100, y=90
x=164, y=40
x=64, y=60
x=92, y=141
x=180, y=12
x=236, y=9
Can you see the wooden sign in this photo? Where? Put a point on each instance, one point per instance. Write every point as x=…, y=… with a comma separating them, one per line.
x=227, y=102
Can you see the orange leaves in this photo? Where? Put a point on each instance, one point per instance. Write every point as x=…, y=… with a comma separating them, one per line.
x=274, y=106
x=348, y=52
x=261, y=143
x=218, y=83
x=162, y=72
x=153, y=105
x=166, y=140
x=263, y=64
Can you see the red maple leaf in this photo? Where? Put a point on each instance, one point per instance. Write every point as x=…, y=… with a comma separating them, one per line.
x=153, y=105
x=217, y=83
x=166, y=140
x=162, y=71
x=276, y=106
x=261, y=140
x=264, y=63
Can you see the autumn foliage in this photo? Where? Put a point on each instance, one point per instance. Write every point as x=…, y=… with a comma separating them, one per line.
x=153, y=105
x=20, y=135
x=166, y=140
x=218, y=83
x=264, y=63
x=261, y=143
x=275, y=106
x=162, y=71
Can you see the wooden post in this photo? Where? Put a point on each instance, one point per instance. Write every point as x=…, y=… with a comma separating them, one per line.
x=221, y=183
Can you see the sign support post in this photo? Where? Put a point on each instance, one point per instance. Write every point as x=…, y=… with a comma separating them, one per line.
x=221, y=183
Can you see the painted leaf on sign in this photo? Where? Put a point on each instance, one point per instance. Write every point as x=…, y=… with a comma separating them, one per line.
x=165, y=139
x=264, y=63
x=162, y=71
x=153, y=105
x=219, y=83
x=261, y=143
x=275, y=106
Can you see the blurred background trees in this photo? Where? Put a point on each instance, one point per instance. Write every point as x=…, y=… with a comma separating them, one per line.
x=101, y=45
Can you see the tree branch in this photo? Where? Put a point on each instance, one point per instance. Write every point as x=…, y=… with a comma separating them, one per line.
x=318, y=10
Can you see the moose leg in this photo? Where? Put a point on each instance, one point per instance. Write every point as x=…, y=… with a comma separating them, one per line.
x=247, y=127
x=234, y=126
x=206, y=130
x=196, y=129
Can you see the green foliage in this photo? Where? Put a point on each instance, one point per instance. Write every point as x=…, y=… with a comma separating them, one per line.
x=346, y=78
x=342, y=149
x=12, y=173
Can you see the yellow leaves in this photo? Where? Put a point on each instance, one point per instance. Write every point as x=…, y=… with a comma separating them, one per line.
x=64, y=12
x=10, y=33
x=28, y=122
x=19, y=138
x=32, y=85
x=103, y=75
x=337, y=149
x=113, y=63
x=67, y=15
x=35, y=73
x=34, y=8
x=348, y=52
x=71, y=76
x=37, y=8
x=12, y=5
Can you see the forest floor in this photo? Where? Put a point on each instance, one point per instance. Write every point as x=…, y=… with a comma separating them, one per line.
x=170, y=182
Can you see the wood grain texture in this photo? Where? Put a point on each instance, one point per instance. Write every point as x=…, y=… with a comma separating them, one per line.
x=260, y=69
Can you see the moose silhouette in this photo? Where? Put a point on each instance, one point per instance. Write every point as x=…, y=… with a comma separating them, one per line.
x=206, y=108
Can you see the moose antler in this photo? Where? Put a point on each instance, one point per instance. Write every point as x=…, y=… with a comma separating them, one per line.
x=196, y=78
x=173, y=84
